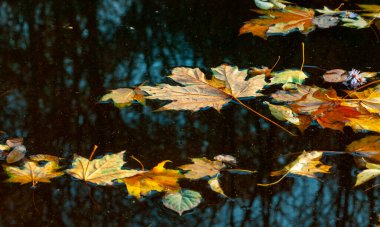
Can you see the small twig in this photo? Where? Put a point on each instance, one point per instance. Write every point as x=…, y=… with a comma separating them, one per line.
x=142, y=166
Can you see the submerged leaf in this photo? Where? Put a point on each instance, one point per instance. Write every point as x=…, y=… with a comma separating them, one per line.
x=198, y=92
x=158, y=179
x=202, y=167
x=182, y=201
x=32, y=172
x=101, y=171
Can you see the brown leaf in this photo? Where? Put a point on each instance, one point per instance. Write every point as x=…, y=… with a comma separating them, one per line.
x=198, y=92
x=202, y=167
x=335, y=76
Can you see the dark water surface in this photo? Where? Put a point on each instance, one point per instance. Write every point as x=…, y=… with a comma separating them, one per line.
x=57, y=58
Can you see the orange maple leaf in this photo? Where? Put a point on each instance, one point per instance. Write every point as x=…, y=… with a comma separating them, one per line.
x=280, y=22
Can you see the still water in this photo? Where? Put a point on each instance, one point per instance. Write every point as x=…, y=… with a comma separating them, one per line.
x=57, y=58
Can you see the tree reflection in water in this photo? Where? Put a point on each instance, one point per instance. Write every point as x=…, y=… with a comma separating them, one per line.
x=58, y=58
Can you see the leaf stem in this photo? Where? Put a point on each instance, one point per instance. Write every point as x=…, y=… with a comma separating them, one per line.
x=88, y=163
x=303, y=55
x=142, y=166
x=242, y=170
x=259, y=114
x=276, y=182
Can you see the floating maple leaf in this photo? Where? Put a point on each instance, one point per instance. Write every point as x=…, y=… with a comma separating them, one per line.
x=123, y=97
x=33, y=172
x=202, y=167
x=369, y=147
x=307, y=164
x=158, y=179
x=101, y=171
x=368, y=99
x=280, y=22
x=198, y=92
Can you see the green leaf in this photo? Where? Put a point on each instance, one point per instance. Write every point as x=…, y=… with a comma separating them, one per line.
x=182, y=201
x=288, y=76
x=357, y=23
x=283, y=113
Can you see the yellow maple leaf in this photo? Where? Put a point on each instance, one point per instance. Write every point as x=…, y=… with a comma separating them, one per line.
x=101, y=171
x=158, y=179
x=368, y=99
x=33, y=172
x=307, y=164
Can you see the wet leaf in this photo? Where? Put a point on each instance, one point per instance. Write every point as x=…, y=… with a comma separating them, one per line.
x=307, y=164
x=372, y=171
x=368, y=146
x=280, y=22
x=198, y=92
x=158, y=179
x=202, y=167
x=182, y=201
x=335, y=76
x=123, y=97
x=17, y=153
x=32, y=172
x=101, y=171
x=215, y=185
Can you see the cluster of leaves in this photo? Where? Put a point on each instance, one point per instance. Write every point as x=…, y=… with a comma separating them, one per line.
x=109, y=170
x=279, y=19
x=300, y=104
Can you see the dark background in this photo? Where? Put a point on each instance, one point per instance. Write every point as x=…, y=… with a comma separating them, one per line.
x=57, y=58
